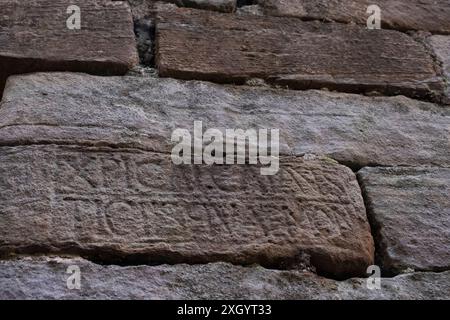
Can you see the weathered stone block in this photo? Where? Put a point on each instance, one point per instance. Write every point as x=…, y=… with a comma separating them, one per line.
x=18, y=280
x=426, y=15
x=441, y=47
x=34, y=37
x=409, y=209
x=225, y=48
x=146, y=8
x=142, y=112
x=113, y=204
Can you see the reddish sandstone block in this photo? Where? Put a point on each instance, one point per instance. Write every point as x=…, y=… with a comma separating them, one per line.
x=34, y=37
x=128, y=204
x=426, y=15
x=194, y=44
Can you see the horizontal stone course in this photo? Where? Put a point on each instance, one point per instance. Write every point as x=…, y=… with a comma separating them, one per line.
x=142, y=112
x=409, y=210
x=18, y=280
x=226, y=48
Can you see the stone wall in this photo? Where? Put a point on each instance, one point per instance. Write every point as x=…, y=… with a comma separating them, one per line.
x=87, y=178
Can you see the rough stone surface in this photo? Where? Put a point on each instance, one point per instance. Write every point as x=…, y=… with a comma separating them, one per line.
x=441, y=47
x=426, y=15
x=18, y=280
x=144, y=17
x=142, y=112
x=126, y=203
x=34, y=37
x=142, y=9
x=409, y=209
x=214, y=5
x=86, y=170
x=146, y=8
x=225, y=48
x=250, y=9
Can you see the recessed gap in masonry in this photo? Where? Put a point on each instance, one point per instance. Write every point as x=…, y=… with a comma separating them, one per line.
x=243, y=3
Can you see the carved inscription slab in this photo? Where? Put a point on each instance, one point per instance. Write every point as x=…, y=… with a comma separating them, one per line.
x=138, y=205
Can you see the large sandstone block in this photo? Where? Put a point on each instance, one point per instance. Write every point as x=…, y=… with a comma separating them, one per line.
x=18, y=280
x=142, y=112
x=34, y=37
x=225, y=48
x=409, y=209
x=441, y=48
x=113, y=204
x=427, y=15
